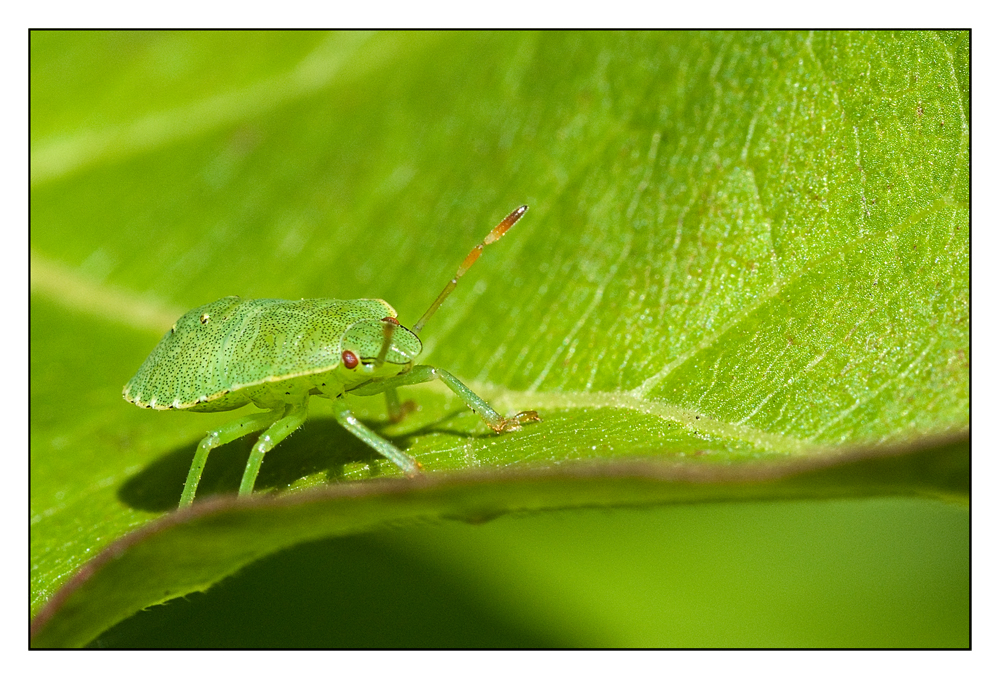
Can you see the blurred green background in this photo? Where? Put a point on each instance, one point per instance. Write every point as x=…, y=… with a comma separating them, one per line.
x=766, y=230
x=860, y=573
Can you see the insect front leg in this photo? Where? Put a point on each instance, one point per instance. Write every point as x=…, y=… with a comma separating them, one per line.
x=397, y=411
x=292, y=418
x=219, y=437
x=426, y=373
x=349, y=422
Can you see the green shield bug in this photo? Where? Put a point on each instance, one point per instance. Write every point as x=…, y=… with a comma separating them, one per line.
x=276, y=353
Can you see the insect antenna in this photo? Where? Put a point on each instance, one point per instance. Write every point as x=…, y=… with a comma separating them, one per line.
x=493, y=236
x=389, y=325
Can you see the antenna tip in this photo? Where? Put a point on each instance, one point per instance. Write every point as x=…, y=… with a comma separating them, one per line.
x=500, y=229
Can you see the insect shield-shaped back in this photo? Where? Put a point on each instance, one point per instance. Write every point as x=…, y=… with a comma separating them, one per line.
x=366, y=340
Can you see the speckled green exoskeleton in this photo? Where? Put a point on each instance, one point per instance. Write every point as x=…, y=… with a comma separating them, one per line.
x=276, y=353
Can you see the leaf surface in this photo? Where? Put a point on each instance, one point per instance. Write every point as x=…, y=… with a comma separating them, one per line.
x=745, y=269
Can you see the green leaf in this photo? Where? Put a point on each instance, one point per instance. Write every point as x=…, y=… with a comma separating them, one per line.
x=744, y=275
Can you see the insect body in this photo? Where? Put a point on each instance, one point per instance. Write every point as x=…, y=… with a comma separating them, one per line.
x=277, y=353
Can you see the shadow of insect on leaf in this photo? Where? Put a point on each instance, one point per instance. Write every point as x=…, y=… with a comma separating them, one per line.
x=320, y=445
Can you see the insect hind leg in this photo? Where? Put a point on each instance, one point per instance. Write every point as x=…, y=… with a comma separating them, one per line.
x=219, y=437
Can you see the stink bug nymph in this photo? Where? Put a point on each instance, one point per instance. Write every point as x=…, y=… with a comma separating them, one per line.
x=276, y=353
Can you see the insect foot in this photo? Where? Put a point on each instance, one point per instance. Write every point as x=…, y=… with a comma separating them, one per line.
x=514, y=423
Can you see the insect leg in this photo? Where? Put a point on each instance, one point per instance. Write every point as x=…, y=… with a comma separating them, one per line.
x=347, y=420
x=218, y=437
x=397, y=411
x=293, y=417
x=426, y=373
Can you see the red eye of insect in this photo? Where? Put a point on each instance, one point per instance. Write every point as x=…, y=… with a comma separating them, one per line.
x=349, y=359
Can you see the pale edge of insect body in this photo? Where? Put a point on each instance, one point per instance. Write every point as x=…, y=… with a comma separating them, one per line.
x=277, y=353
